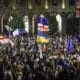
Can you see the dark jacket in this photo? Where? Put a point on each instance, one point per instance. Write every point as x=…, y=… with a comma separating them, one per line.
x=40, y=76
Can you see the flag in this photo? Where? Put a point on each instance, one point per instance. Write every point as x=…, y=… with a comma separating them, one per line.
x=42, y=36
x=69, y=44
x=9, y=30
x=15, y=33
x=19, y=31
x=5, y=40
x=78, y=37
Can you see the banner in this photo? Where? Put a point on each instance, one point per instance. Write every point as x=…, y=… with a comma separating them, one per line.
x=42, y=36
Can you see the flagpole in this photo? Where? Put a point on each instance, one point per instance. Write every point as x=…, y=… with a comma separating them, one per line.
x=40, y=46
x=9, y=33
x=79, y=25
x=40, y=51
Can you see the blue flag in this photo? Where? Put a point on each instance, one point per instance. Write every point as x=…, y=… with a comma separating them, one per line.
x=69, y=44
x=19, y=31
x=78, y=37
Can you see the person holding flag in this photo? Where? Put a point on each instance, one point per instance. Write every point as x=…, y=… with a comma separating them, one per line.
x=9, y=31
x=42, y=36
x=69, y=44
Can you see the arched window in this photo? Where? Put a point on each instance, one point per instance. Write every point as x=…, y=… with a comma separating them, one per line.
x=59, y=20
x=6, y=3
x=72, y=2
x=55, y=2
x=26, y=23
x=38, y=2
x=22, y=3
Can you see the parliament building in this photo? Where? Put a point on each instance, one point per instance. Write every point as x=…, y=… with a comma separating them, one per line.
x=33, y=8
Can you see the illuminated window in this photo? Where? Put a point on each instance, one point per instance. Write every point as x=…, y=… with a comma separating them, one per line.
x=59, y=20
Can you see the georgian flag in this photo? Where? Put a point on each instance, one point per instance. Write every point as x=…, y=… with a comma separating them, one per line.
x=5, y=40
x=42, y=36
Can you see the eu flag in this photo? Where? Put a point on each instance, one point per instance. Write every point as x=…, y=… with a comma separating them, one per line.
x=69, y=44
x=78, y=37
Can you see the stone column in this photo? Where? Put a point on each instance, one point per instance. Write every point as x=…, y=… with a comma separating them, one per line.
x=33, y=27
x=29, y=4
x=64, y=19
x=2, y=23
x=46, y=4
x=13, y=4
x=63, y=4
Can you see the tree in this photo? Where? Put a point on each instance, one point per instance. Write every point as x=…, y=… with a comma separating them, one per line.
x=53, y=24
x=17, y=22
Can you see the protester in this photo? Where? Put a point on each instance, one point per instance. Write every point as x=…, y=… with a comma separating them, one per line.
x=22, y=61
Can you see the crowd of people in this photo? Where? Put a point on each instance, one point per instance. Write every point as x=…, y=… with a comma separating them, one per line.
x=23, y=62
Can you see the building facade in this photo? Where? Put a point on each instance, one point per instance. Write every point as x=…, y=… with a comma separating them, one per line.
x=33, y=8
